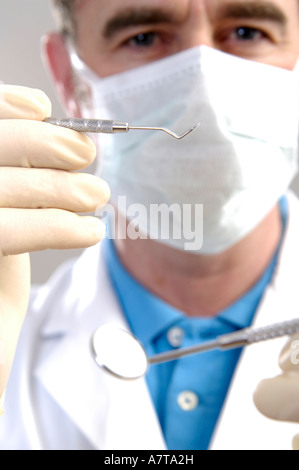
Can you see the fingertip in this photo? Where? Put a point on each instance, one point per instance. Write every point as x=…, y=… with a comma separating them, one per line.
x=259, y=397
x=296, y=442
x=17, y=102
x=96, y=230
x=2, y=399
x=42, y=106
x=77, y=148
x=91, y=149
x=106, y=192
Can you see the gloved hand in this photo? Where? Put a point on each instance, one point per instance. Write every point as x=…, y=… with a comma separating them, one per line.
x=278, y=398
x=40, y=196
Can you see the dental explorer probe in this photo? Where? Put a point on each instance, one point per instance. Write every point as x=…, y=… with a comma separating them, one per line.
x=101, y=126
x=118, y=352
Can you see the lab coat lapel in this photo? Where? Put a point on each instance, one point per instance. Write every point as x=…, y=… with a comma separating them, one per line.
x=132, y=422
x=112, y=414
x=241, y=426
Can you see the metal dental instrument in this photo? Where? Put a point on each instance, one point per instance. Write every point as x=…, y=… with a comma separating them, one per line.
x=122, y=355
x=109, y=127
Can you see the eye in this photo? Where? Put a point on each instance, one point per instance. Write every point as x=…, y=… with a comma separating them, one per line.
x=246, y=33
x=145, y=43
x=143, y=40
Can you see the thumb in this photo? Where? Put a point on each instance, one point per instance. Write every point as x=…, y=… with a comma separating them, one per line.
x=17, y=102
x=277, y=398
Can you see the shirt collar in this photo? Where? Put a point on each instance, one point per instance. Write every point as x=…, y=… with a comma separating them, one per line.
x=148, y=315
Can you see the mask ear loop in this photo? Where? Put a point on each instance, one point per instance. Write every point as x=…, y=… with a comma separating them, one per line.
x=83, y=76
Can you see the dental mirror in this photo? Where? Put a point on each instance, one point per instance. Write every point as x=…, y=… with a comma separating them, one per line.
x=119, y=353
x=122, y=355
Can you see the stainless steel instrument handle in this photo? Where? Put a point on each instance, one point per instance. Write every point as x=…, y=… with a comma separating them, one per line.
x=101, y=126
x=251, y=336
x=90, y=125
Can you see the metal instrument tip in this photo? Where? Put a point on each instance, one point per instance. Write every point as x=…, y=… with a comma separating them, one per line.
x=167, y=131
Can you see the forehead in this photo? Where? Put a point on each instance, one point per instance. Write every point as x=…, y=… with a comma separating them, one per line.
x=206, y=6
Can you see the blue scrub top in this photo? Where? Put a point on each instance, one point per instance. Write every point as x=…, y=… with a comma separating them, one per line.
x=189, y=393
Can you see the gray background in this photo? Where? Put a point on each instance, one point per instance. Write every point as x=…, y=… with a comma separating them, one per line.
x=22, y=24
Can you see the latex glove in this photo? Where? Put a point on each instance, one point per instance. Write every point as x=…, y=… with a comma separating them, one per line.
x=278, y=398
x=40, y=196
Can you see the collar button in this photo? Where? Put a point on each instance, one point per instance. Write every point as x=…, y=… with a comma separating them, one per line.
x=175, y=337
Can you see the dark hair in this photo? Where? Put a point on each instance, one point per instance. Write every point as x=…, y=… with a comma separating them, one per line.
x=64, y=13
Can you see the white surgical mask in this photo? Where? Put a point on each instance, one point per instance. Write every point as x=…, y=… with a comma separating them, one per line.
x=238, y=163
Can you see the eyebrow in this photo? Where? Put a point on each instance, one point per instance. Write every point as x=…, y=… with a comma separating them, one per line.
x=131, y=17
x=254, y=10
x=135, y=17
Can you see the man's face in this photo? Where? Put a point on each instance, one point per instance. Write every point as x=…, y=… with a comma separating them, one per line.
x=117, y=35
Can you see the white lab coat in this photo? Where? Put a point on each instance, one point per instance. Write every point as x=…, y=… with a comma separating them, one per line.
x=58, y=398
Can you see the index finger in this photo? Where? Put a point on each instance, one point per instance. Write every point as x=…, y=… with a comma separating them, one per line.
x=28, y=144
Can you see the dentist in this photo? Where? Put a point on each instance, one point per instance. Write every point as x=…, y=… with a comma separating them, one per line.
x=232, y=66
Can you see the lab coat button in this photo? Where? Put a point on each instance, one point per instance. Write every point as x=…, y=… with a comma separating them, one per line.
x=175, y=337
x=188, y=400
